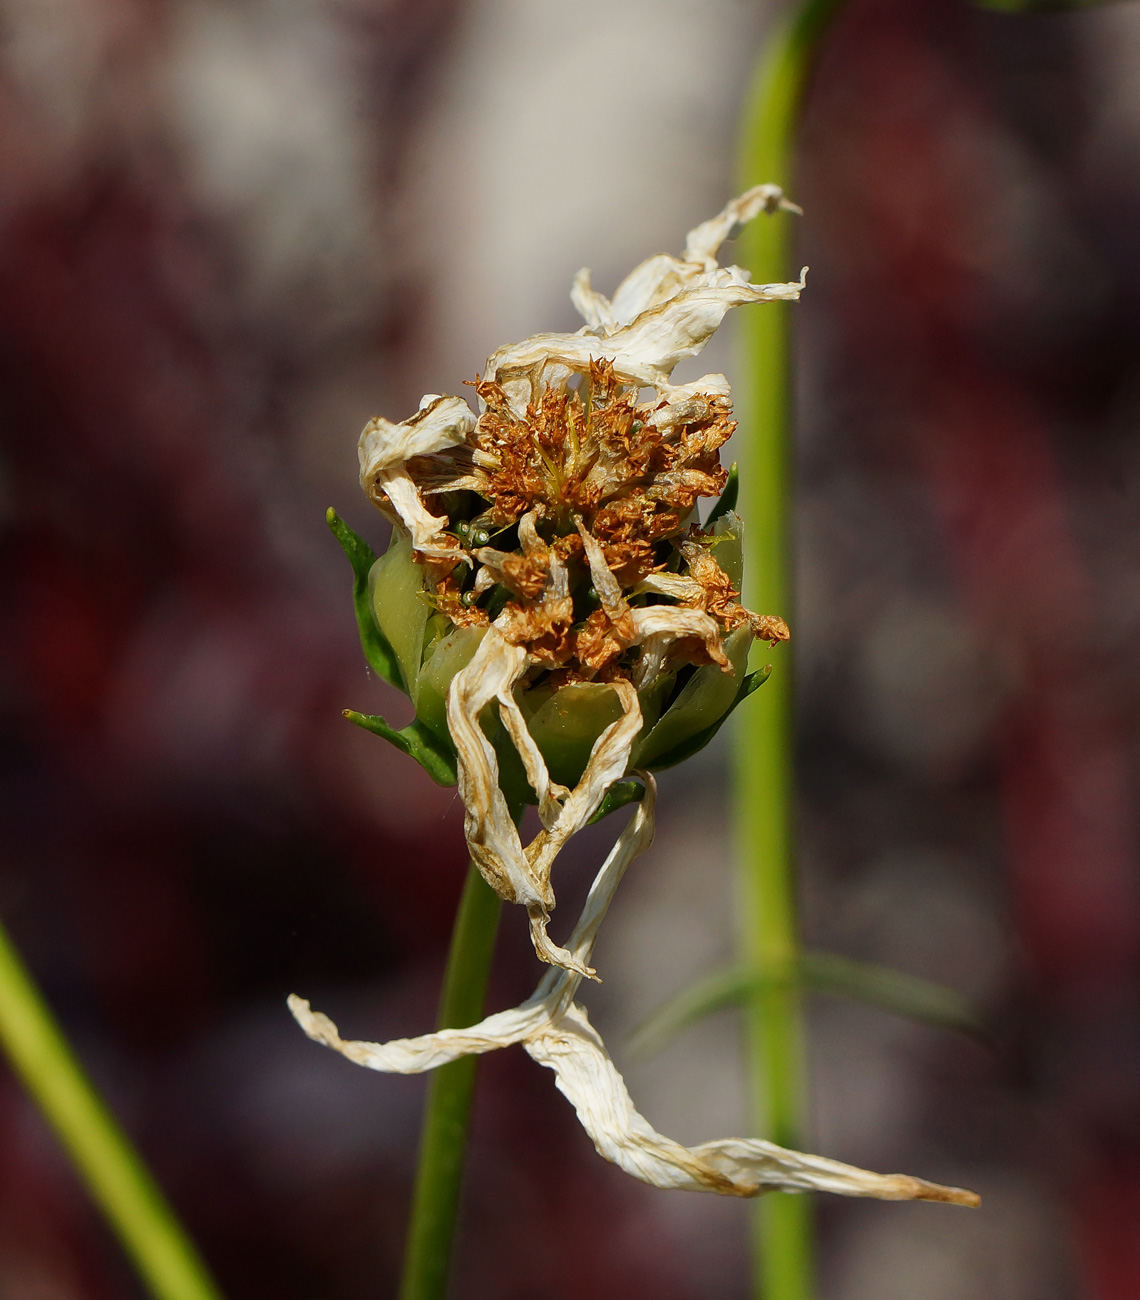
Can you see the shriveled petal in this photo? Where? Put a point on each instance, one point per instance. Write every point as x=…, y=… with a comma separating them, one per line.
x=534, y=764
x=592, y=306
x=644, y=352
x=752, y=1160
x=572, y=1048
x=660, y=277
x=516, y=874
x=664, y=335
x=678, y=586
x=416, y=1055
x=687, y=403
x=440, y=422
x=549, y=1000
x=650, y=282
x=384, y=450
x=703, y=243
x=658, y=626
x=609, y=761
x=492, y=837
x=557, y=1033
x=425, y=529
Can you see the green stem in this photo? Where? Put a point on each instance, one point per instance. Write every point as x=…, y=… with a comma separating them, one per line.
x=443, y=1144
x=764, y=785
x=115, y=1176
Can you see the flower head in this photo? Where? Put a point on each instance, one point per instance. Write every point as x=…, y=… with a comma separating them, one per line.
x=562, y=575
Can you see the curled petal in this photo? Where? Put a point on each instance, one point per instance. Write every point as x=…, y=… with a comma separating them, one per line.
x=644, y=352
x=678, y=586
x=685, y=403
x=553, y=994
x=590, y=1081
x=662, y=277
x=385, y=448
x=592, y=306
x=658, y=626
x=416, y=1055
x=492, y=838
x=649, y=283
x=609, y=761
x=440, y=422
x=425, y=529
x=557, y=1033
x=764, y=1165
x=703, y=243
x=516, y=874
x=537, y=773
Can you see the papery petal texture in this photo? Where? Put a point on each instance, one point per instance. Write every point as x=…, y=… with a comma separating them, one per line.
x=556, y=1032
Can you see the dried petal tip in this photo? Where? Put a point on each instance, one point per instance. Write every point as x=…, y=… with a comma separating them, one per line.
x=925, y=1191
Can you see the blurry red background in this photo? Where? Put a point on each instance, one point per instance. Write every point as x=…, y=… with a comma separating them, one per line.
x=231, y=234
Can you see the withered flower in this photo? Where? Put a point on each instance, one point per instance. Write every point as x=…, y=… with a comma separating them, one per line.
x=567, y=616
x=562, y=620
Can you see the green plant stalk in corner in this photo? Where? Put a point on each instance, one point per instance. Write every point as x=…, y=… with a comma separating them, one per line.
x=763, y=779
x=118, y=1181
x=443, y=1142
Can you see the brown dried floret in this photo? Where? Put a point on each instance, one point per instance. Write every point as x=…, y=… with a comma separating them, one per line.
x=596, y=646
x=590, y=462
x=543, y=629
x=449, y=601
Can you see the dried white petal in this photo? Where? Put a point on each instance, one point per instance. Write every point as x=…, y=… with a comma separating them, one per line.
x=679, y=586
x=644, y=352
x=556, y=1032
x=384, y=450
x=592, y=306
x=518, y=875
x=658, y=626
x=492, y=838
x=609, y=760
x=703, y=243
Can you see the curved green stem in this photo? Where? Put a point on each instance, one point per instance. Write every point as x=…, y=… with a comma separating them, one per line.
x=102, y=1153
x=443, y=1143
x=764, y=790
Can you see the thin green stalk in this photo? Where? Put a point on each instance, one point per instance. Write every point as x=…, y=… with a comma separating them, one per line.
x=764, y=787
x=102, y=1153
x=443, y=1144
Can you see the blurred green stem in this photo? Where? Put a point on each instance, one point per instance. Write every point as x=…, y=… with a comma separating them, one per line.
x=115, y=1176
x=764, y=787
x=443, y=1143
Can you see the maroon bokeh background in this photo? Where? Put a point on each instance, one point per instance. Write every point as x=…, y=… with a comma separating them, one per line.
x=190, y=831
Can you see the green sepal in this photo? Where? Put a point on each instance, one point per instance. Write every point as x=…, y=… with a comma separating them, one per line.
x=694, y=743
x=415, y=740
x=380, y=655
x=821, y=972
x=727, y=499
x=399, y=607
x=617, y=796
